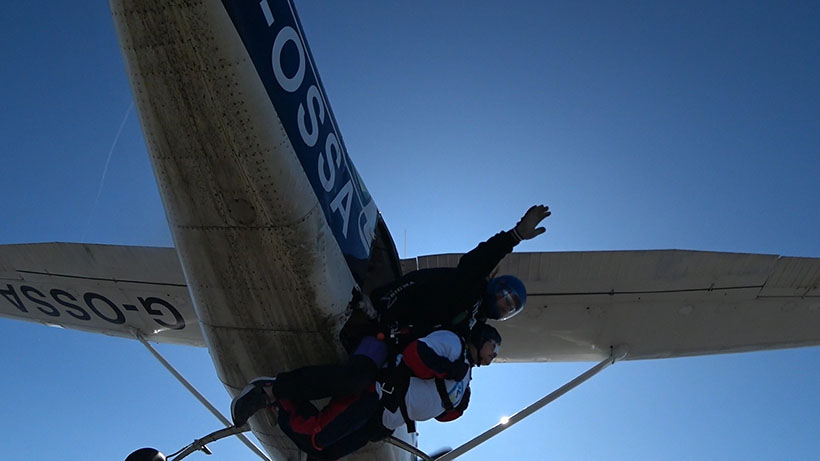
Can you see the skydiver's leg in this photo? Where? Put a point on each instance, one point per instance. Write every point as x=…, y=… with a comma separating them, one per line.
x=344, y=416
x=310, y=383
x=300, y=385
x=347, y=445
x=290, y=411
x=313, y=382
x=316, y=382
x=337, y=430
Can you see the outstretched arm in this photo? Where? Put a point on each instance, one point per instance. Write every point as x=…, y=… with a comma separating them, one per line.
x=481, y=260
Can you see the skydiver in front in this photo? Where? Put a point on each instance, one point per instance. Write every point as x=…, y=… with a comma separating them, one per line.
x=430, y=379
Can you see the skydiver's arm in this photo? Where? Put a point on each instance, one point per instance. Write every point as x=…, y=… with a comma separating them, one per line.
x=456, y=412
x=527, y=227
x=438, y=355
x=480, y=261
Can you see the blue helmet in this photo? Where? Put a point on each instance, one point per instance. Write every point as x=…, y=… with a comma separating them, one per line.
x=505, y=297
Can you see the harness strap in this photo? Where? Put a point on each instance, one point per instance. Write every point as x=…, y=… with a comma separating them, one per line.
x=442, y=393
x=395, y=399
x=411, y=425
x=394, y=393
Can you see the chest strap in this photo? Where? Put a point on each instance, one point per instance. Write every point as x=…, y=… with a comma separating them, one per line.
x=394, y=394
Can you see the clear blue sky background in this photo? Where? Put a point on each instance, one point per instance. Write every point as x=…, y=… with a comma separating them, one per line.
x=644, y=125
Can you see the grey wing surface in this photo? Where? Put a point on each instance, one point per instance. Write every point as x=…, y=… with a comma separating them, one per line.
x=108, y=289
x=659, y=303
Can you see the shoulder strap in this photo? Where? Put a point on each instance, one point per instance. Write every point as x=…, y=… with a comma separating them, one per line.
x=394, y=393
x=411, y=425
x=442, y=393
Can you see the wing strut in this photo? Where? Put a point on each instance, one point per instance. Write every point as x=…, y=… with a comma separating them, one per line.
x=618, y=353
x=199, y=396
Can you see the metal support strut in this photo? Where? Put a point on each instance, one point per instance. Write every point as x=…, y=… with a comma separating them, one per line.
x=618, y=353
x=202, y=444
x=200, y=397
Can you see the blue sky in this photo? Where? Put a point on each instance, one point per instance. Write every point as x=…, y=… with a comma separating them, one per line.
x=651, y=125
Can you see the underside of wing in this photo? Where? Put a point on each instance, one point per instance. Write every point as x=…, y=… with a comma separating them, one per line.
x=668, y=303
x=114, y=290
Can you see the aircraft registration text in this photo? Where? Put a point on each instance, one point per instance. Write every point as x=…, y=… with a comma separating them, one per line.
x=53, y=303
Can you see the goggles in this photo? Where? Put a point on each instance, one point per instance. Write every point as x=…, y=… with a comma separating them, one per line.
x=508, y=304
x=496, y=347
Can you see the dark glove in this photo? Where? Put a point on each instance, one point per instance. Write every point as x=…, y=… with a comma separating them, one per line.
x=526, y=228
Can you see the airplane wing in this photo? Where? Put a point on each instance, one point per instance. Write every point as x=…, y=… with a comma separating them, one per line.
x=114, y=290
x=668, y=303
x=663, y=303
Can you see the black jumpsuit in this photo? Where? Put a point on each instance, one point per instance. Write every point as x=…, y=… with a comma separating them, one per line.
x=446, y=298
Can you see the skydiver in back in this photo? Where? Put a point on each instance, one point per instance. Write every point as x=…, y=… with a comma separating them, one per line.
x=453, y=298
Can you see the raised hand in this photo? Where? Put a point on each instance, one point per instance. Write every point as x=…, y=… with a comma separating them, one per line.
x=526, y=227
